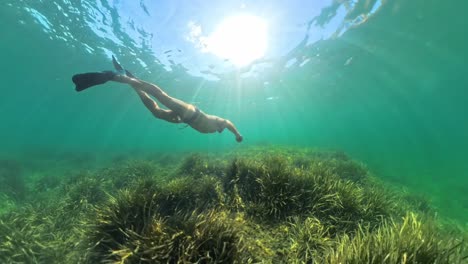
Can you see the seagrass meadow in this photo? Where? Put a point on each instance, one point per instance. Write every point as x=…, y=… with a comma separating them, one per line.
x=263, y=204
x=346, y=140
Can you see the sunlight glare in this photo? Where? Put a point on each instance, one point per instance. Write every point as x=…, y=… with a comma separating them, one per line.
x=241, y=39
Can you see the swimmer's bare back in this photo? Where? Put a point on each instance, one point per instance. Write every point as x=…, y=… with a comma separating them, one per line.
x=178, y=111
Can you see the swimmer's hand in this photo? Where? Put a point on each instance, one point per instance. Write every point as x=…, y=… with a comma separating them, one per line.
x=239, y=138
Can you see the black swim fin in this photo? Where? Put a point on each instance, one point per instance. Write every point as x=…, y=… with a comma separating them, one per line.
x=129, y=74
x=117, y=65
x=120, y=69
x=89, y=79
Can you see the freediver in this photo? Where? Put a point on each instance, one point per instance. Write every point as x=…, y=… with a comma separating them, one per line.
x=178, y=111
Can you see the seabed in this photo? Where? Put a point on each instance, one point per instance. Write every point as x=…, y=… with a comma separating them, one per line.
x=256, y=205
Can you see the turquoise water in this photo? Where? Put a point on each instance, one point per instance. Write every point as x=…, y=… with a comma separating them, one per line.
x=384, y=81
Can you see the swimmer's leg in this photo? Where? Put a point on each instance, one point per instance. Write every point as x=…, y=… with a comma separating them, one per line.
x=167, y=115
x=181, y=108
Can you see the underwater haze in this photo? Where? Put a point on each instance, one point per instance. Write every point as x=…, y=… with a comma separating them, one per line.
x=384, y=81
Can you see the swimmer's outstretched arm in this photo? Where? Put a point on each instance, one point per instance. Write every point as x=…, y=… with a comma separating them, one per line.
x=231, y=127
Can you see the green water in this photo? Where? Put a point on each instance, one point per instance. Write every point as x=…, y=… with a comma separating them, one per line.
x=390, y=92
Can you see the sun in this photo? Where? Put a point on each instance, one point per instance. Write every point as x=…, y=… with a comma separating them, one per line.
x=240, y=39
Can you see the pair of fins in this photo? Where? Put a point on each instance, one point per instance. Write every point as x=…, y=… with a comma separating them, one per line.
x=86, y=80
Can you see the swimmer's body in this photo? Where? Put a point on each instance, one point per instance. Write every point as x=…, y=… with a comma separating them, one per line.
x=177, y=112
